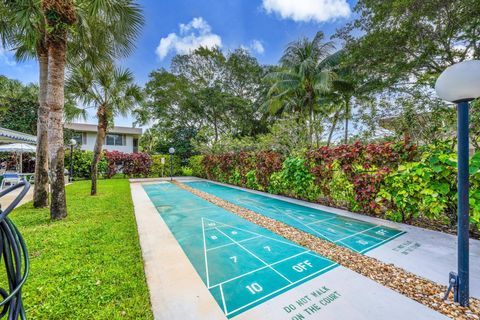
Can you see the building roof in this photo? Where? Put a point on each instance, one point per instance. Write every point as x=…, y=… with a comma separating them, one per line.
x=85, y=127
x=12, y=136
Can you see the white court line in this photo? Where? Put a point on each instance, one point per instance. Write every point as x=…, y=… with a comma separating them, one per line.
x=356, y=234
x=350, y=230
x=299, y=221
x=241, y=246
x=193, y=209
x=267, y=237
x=231, y=244
x=267, y=266
x=223, y=300
x=289, y=285
x=379, y=243
x=205, y=253
x=320, y=221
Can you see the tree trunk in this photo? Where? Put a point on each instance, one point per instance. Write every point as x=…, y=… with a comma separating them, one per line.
x=55, y=102
x=215, y=126
x=347, y=115
x=334, y=124
x=311, y=124
x=97, y=151
x=40, y=189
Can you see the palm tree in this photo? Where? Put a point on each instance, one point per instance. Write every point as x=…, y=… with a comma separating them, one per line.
x=344, y=88
x=102, y=29
x=303, y=78
x=112, y=91
x=22, y=27
x=112, y=25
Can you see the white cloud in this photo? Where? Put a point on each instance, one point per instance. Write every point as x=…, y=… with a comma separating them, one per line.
x=6, y=57
x=197, y=33
x=308, y=10
x=257, y=47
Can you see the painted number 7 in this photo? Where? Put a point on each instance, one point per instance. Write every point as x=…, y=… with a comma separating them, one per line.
x=268, y=248
x=234, y=259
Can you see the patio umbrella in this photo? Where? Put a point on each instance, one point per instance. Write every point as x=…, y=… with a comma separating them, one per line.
x=18, y=148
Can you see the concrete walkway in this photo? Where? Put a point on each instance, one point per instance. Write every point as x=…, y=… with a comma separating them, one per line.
x=7, y=199
x=178, y=292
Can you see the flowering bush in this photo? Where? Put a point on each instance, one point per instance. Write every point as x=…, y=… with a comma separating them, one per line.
x=391, y=180
x=130, y=164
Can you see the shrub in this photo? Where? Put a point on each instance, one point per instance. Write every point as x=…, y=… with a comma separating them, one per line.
x=130, y=164
x=427, y=187
x=195, y=163
x=160, y=169
x=187, y=171
x=296, y=180
x=251, y=180
x=82, y=163
x=267, y=162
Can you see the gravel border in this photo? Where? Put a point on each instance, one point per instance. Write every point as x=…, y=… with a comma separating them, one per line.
x=417, y=288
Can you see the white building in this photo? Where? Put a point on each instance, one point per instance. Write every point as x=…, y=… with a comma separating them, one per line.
x=124, y=139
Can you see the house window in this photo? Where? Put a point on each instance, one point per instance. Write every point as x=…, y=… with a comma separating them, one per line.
x=135, y=144
x=80, y=137
x=114, y=139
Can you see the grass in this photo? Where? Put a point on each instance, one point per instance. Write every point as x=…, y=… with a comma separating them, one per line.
x=89, y=265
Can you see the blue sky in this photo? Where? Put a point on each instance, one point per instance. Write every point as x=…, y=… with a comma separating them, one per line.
x=264, y=27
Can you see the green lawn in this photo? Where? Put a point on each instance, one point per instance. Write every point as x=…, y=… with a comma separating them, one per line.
x=88, y=266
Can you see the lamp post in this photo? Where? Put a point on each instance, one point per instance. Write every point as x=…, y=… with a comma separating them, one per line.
x=460, y=84
x=72, y=144
x=171, y=151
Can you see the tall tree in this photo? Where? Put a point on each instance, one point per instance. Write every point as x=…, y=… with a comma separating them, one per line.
x=112, y=91
x=18, y=106
x=402, y=42
x=112, y=25
x=303, y=79
x=101, y=29
x=23, y=28
x=205, y=91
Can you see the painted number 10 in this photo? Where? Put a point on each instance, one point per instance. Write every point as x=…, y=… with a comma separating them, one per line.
x=254, y=288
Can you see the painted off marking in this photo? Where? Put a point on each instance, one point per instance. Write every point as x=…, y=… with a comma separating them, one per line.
x=241, y=264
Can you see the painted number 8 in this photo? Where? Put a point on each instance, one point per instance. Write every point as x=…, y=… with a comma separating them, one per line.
x=254, y=288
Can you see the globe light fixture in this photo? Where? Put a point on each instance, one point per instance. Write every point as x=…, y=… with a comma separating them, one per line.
x=460, y=84
x=171, y=150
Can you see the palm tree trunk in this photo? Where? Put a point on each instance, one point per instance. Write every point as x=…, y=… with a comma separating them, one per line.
x=97, y=151
x=311, y=123
x=347, y=115
x=332, y=129
x=40, y=190
x=55, y=102
x=215, y=126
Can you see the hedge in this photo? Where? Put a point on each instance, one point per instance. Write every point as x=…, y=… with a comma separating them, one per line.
x=393, y=180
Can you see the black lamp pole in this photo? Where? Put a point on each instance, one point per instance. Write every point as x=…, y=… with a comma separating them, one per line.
x=460, y=84
x=171, y=151
x=71, y=162
x=462, y=295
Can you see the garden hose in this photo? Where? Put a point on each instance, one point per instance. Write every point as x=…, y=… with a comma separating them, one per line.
x=13, y=254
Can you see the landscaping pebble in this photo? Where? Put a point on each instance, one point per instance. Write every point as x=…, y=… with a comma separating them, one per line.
x=417, y=288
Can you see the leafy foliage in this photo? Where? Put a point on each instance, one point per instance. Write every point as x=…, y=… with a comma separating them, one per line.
x=392, y=180
x=196, y=164
x=82, y=163
x=130, y=164
x=160, y=169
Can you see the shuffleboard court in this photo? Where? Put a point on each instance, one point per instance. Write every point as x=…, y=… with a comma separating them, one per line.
x=354, y=234
x=241, y=263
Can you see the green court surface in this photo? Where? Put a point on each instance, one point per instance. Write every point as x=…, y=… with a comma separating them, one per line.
x=354, y=234
x=241, y=263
